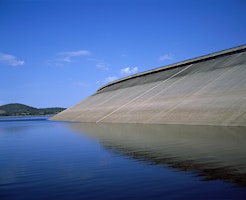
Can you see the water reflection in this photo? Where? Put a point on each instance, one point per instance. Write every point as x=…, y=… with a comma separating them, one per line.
x=209, y=152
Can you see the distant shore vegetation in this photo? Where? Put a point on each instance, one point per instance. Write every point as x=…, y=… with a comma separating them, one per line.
x=17, y=109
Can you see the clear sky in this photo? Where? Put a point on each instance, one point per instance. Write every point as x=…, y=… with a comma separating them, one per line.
x=57, y=52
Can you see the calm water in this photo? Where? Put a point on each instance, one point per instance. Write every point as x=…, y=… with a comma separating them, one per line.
x=41, y=159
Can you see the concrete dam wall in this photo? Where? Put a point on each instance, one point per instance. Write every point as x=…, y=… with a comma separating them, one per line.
x=208, y=90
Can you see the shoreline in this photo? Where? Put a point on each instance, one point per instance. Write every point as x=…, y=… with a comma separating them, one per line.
x=16, y=116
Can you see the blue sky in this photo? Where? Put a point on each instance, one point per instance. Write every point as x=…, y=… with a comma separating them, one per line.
x=57, y=52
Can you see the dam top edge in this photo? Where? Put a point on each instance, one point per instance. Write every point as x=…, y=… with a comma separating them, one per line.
x=210, y=56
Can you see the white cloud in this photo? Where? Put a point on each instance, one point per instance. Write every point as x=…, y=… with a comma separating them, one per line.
x=11, y=60
x=166, y=57
x=76, y=53
x=81, y=84
x=99, y=64
x=102, y=66
x=55, y=63
x=67, y=57
x=124, y=72
x=128, y=71
x=110, y=79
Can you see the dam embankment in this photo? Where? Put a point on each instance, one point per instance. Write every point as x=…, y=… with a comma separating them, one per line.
x=208, y=90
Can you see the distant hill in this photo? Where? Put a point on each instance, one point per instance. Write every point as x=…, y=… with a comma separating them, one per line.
x=17, y=109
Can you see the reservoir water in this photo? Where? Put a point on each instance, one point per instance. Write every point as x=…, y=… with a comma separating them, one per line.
x=42, y=159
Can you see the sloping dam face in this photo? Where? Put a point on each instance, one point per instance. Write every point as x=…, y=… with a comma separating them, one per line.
x=209, y=90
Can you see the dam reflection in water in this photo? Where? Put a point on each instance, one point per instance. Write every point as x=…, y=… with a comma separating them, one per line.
x=208, y=152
